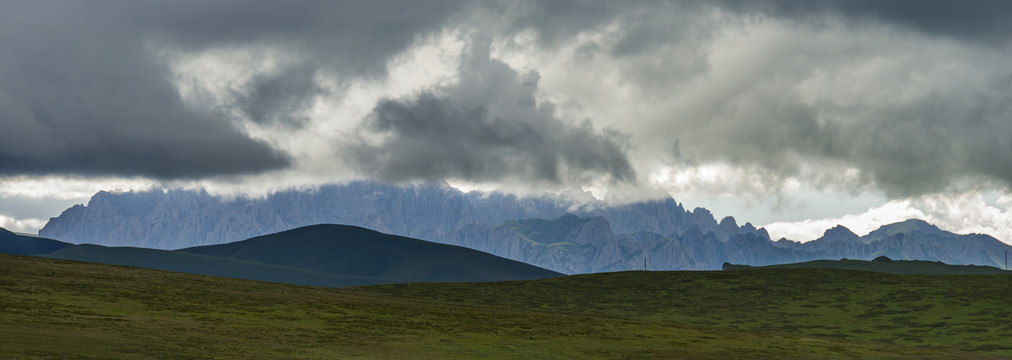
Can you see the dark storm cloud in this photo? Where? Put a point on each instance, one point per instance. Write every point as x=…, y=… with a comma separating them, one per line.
x=558, y=21
x=280, y=97
x=938, y=141
x=487, y=127
x=82, y=93
x=931, y=141
x=984, y=20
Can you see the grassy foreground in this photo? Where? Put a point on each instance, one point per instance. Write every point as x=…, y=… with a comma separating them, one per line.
x=63, y=309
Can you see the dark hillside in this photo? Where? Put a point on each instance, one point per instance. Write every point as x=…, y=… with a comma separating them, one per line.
x=351, y=250
x=11, y=243
x=886, y=265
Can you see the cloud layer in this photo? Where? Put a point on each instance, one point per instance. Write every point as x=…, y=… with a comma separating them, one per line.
x=83, y=89
x=902, y=99
x=971, y=212
x=908, y=102
x=25, y=226
x=486, y=127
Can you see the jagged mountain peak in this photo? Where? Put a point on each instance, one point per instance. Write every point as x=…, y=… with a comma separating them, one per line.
x=839, y=232
x=701, y=211
x=569, y=217
x=554, y=235
x=905, y=227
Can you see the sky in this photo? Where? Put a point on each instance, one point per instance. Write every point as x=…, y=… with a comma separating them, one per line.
x=793, y=115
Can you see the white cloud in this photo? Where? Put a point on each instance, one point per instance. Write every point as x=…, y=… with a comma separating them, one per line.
x=221, y=78
x=25, y=226
x=67, y=188
x=964, y=213
x=859, y=223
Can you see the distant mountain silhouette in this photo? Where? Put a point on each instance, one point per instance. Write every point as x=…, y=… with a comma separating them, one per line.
x=573, y=244
x=11, y=243
x=907, y=240
x=594, y=237
x=886, y=265
x=177, y=219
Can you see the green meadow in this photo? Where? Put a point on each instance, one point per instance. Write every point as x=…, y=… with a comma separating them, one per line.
x=58, y=309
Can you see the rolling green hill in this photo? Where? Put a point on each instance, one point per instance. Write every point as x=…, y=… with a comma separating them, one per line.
x=58, y=309
x=11, y=243
x=884, y=264
x=206, y=265
x=351, y=250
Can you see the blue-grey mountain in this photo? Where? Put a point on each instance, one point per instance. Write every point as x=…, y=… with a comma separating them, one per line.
x=549, y=231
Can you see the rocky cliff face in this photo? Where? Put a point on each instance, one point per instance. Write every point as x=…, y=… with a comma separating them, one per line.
x=545, y=231
x=907, y=240
x=176, y=219
x=582, y=245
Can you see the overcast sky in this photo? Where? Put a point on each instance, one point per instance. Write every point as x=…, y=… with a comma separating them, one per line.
x=796, y=115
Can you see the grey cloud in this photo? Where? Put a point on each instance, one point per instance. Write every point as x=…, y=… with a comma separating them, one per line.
x=978, y=20
x=81, y=93
x=933, y=143
x=927, y=143
x=280, y=97
x=643, y=25
x=349, y=37
x=647, y=27
x=558, y=21
x=81, y=97
x=37, y=208
x=937, y=142
x=487, y=127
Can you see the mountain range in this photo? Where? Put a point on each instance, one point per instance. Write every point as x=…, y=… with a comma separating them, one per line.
x=320, y=255
x=549, y=231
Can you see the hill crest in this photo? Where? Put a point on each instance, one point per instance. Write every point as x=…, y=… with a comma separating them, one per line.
x=353, y=250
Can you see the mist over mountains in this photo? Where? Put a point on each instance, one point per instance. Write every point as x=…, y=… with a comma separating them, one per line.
x=547, y=231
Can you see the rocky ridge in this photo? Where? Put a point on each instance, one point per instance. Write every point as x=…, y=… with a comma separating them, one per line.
x=547, y=231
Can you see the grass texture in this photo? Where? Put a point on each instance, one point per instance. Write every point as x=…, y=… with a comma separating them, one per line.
x=71, y=310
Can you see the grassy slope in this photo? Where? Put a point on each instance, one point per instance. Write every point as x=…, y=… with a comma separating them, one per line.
x=959, y=312
x=65, y=309
x=205, y=265
x=894, y=267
